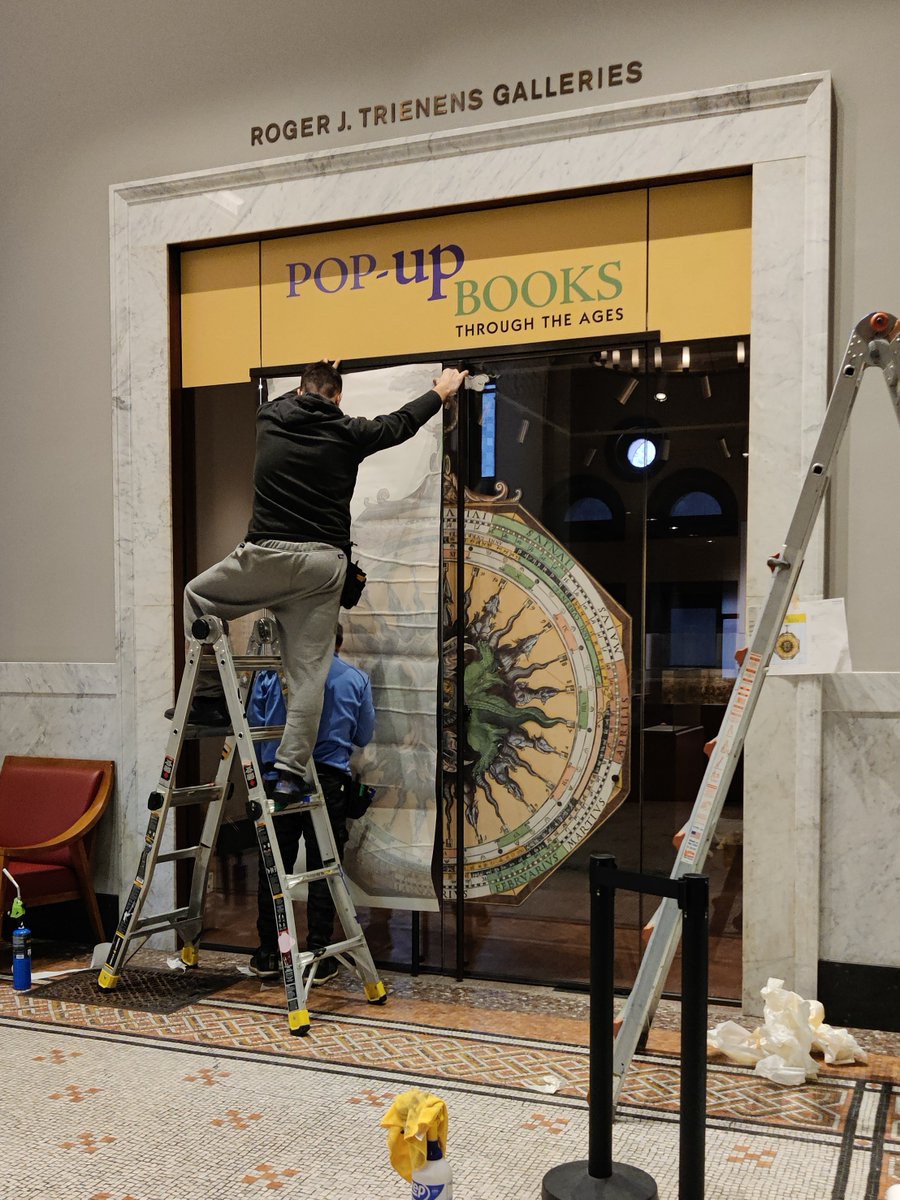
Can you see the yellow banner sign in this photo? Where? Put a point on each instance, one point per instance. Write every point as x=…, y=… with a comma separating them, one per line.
x=533, y=273
x=674, y=259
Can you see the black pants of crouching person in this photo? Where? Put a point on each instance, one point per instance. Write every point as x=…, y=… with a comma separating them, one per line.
x=288, y=830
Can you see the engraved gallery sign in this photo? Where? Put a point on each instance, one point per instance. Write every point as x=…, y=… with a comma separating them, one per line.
x=505, y=94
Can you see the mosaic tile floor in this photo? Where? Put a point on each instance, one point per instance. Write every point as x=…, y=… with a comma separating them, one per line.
x=218, y=1100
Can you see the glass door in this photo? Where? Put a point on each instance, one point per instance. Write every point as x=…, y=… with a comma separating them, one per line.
x=613, y=477
x=618, y=471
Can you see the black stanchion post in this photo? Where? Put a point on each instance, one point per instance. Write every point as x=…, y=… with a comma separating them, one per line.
x=416, y=939
x=694, y=902
x=599, y=1178
x=462, y=479
x=600, y=1070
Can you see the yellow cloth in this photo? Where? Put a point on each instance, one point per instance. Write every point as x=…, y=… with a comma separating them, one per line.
x=414, y=1119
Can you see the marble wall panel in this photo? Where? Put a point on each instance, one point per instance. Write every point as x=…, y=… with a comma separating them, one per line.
x=861, y=819
x=781, y=879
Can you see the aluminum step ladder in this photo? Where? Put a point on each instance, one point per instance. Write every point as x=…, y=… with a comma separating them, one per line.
x=298, y=967
x=875, y=342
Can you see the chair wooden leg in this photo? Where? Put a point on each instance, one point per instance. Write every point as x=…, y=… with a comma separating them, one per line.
x=86, y=885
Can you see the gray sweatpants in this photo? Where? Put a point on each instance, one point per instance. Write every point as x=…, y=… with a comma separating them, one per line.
x=300, y=583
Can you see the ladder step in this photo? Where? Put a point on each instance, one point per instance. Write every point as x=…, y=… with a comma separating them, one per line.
x=260, y=733
x=176, y=855
x=298, y=807
x=160, y=921
x=337, y=947
x=196, y=733
x=292, y=881
x=243, y=662
x=256, y=662
x=201, y=793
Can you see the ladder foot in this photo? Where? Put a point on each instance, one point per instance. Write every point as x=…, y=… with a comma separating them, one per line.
x=107, y=981
x=190, y=955
x=375, y=992
x=298, y=1021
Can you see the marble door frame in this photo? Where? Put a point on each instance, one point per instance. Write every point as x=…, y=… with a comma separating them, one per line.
x=781, y=129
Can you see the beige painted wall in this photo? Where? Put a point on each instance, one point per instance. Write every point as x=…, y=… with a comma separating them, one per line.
x=96, y=92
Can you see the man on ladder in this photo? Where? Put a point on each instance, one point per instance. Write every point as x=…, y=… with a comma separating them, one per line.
x=296, y=553
x=293, y=562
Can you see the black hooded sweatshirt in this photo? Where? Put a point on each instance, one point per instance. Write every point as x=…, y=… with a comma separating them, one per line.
x=307, y=456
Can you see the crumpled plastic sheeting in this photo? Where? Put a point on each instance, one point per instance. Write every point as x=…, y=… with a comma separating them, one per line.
x=550, y=1084
x=780, y=1050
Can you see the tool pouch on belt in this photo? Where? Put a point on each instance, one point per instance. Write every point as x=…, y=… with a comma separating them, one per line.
x=354, y=583
x=359, y=797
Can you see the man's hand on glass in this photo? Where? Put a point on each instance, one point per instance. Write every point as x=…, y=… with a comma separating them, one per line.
x=449, y=383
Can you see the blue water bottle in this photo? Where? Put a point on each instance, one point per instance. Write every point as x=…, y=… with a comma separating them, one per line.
x=21, y=946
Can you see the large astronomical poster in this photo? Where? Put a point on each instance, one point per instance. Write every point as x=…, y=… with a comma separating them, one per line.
x=547, y=667
x=546, y=684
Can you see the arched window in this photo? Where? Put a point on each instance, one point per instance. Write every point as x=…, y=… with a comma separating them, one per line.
x=696, y=504
x=589, y=508
x=584, y=509
x=693, y=503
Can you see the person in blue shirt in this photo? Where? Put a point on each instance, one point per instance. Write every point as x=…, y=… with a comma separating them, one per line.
x=348, y=720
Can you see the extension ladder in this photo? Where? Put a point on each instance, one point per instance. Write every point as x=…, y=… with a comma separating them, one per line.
x=298, y=967
x=875, y=342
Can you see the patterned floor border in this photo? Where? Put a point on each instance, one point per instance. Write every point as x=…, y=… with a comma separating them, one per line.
x=826, y=1141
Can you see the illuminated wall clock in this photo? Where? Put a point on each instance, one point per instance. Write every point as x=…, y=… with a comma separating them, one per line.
x=547, y=657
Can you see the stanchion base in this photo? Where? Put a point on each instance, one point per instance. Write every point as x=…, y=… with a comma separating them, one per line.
x=570, y=1181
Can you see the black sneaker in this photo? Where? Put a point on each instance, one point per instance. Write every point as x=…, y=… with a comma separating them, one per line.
x=327, y=969
x=290, y=793
x=265, y=964
x=206, y=712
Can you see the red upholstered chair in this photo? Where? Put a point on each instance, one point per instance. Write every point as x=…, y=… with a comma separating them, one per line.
x=48, y=810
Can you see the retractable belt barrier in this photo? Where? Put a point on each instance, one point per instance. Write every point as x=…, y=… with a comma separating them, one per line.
x=598, y=1177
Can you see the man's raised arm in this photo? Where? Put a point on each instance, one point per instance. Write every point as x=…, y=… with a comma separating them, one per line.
x=391, y=429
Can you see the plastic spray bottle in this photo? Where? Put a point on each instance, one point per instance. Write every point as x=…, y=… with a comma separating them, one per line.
x=21, y=942
x=434, y=1179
